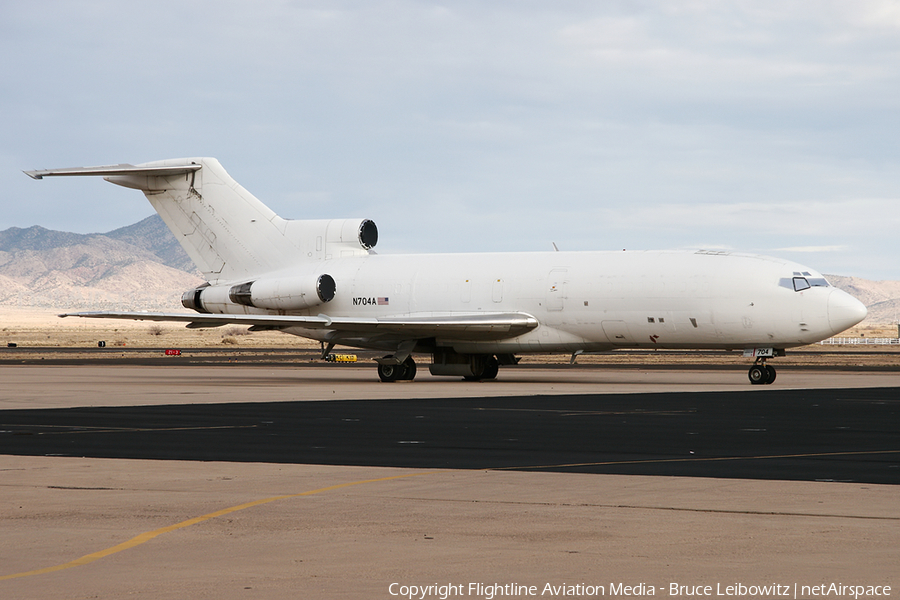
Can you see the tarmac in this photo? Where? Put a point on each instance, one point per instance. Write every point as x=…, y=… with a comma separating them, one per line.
x=199, y=495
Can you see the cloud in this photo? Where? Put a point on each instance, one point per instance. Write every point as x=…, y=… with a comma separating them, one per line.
x=812, y=249
x=798, y=219
x=745, y=124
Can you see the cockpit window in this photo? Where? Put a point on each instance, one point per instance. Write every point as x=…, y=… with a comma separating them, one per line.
x=800, y=282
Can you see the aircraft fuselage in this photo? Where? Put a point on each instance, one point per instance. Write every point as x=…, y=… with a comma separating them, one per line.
x=591, y=301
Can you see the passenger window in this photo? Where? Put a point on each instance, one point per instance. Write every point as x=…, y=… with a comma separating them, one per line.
x=800, y=284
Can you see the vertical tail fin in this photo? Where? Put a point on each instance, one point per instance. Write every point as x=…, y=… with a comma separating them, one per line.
x=228, y=233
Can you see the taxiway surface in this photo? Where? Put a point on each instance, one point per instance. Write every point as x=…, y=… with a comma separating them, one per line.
x=321, y=482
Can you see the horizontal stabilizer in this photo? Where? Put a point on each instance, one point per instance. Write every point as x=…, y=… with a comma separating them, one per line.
x=115, y=170
x=463, y=326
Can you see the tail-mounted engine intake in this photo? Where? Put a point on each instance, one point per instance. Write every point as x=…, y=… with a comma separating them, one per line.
x=333, y=238
x=343, y=234
x=368, y=234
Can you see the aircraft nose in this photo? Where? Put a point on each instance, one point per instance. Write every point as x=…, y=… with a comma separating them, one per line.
x=844, y=311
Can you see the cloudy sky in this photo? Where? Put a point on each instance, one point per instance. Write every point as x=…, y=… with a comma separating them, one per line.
x=761, y=126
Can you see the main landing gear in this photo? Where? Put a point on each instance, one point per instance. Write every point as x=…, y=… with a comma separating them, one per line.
x=471, y=367
x=405, y=371
x=761, y=373
x=486, y=367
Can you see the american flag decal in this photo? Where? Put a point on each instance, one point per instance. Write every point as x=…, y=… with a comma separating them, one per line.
x=383, y=301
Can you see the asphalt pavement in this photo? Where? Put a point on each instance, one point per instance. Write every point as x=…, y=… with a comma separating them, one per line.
x=850, y=435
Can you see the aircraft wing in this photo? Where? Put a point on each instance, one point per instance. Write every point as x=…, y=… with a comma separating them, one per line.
x=463, y=326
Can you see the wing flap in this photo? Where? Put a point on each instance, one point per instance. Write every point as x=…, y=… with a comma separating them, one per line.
x=465, y=326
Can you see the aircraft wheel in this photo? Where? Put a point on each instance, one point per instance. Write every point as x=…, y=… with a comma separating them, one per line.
x=758, y=374
x=479, y=366
x=770, y=374
x=491, y=368
x=390, y=373
x=409, y=369
x=486, y=367
x=402, y=372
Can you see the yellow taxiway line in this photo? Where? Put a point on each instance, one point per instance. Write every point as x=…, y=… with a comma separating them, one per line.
x=149, y=535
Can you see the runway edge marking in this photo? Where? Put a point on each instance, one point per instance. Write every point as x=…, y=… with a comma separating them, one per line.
x=149, y=535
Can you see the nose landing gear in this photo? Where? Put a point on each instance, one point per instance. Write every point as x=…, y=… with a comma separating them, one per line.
x=761, y=373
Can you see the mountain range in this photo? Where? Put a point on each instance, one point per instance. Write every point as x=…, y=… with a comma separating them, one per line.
x=142, y=267
x=138, y=267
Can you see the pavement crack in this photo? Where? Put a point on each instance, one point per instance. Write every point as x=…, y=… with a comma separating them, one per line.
x=654, y=508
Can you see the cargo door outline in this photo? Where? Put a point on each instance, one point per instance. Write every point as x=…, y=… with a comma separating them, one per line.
x=556, y=289
x=617, y=332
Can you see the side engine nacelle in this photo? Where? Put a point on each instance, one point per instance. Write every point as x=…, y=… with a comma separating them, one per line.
x=277, y=293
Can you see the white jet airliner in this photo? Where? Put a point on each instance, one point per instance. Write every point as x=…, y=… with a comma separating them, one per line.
x=472, y=313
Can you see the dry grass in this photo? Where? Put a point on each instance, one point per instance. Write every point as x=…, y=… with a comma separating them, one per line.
x=35, y=328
